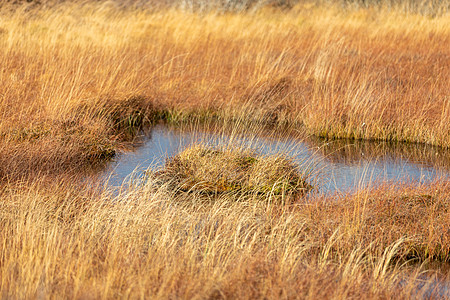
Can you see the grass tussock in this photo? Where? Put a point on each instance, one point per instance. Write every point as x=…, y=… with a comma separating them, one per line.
x=63, y=241
x=87, y=138
x=211, y=171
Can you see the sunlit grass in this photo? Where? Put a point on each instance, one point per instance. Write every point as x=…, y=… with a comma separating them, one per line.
x=62, y=241
x=79, y=80
x=356, y=73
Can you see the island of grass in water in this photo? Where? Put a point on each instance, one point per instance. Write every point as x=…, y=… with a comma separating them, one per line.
x=214, y=171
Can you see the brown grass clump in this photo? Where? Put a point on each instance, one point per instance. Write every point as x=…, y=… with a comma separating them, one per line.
x=212, y=171
x=82, y=141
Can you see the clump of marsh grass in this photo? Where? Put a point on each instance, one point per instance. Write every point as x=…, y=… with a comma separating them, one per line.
x=91, y=134
x=216, y=171
x=123, y=116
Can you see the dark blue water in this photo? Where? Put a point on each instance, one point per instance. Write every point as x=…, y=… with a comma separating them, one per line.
x=333, y=166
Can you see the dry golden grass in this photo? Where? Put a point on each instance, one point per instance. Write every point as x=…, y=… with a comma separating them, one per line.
x=78, y=80
x=356, y=73
x=239, y=172
x=61, y=241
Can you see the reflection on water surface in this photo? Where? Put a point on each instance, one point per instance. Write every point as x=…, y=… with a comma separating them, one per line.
x=336, y=166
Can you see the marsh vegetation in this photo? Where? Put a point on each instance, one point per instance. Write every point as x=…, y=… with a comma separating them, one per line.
x=81, y=80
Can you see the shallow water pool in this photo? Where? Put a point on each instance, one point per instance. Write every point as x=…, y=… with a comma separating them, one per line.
x=336, y=166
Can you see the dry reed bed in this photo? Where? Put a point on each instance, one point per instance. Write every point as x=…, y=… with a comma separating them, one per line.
x=361, y=73
x=60, y=241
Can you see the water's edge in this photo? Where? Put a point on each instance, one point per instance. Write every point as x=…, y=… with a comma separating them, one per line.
x=336, y=166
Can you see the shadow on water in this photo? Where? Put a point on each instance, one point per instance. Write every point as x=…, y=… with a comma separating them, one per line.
x=352, y=152
x=433, y=281
x=335, y=166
